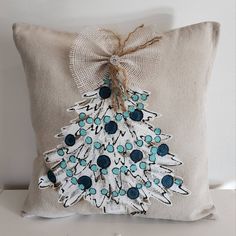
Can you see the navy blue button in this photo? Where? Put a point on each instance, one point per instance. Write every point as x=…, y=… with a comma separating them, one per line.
x=167, y=181
x=136, y=115
x=86, y=181
x=103, y=161
x=111, y=127
x=51, y=176
x=162, y=150
x=133, y=193
x=70, y=140
x=104, y=92
x=136, y=155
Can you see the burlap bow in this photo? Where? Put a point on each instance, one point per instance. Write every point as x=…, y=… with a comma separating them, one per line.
x=100, y=52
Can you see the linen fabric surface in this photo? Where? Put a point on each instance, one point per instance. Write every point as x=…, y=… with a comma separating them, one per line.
x=178, y=92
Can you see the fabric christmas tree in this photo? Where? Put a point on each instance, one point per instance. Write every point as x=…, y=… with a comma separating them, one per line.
x=114, y=159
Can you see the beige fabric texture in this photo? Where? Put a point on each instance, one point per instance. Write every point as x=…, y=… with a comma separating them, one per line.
x=179, y=93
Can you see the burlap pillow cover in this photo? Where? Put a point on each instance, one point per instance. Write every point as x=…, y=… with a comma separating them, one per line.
x=179, y=93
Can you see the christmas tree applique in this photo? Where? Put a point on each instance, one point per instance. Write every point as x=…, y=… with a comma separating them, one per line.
x=114, y=159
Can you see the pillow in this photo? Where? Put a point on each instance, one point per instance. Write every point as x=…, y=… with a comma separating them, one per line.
x=84, y=171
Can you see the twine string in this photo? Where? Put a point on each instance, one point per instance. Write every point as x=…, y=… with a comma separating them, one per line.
x=116, y=71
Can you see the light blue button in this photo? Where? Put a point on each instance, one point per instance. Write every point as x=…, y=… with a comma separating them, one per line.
x=118, y=117
x=97, y=145
x=88, y=140
x=143, y=165
x=139, y=143
x=81, y=123
x=94, y=168
x=154, y=150
x=152, y=158
x=72, y=159
x=89, y=120
x=104, y=171
x=110, y=148
x=124, y=169
x=69, y=173
x=92, y=191
x=156, y=181
x=107, y=119
x=148, y=184
x=126, y=114
x=144, y=97
x=131, y=108
x=97, y=121
x=73, y=180
x=81, y=186
x=104, y=191
x=139, y=186
x=122, y=192
x=133, y=167
x=83, y=132
x=148, y=138
x=60, y=152
x=135, y=97
x=128, y=146
x=157, y=131
x=83, y=162
x=115, y=194
x=140, y=105
x=63, y=164
x=157, y=139
x=120, y=148
x=82, y=115
x=115, y=171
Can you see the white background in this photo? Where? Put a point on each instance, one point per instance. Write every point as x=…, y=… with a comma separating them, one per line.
x=17, y=147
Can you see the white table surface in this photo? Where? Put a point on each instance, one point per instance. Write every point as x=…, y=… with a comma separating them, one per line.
x=11, y=222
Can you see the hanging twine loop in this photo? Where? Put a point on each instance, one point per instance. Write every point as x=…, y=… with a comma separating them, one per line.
x=129, y=60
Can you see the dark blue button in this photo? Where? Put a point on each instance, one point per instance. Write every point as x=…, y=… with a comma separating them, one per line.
x=162, y=150
x=70, y=140
x=136, y=115
x=167, y=181
x=86, y=181
x=111, y=127
x=51, y=176
x=104, y=92
x=136, y=155
x=133, y=193
x=103, y=161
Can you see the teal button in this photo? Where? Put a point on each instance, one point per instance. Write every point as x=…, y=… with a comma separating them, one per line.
x=133, y=167
x=81, y=123
x=139, y=143
x=120, y=149
x=118, y=117
x=124, y=169
x=88, y=140
x=139, y=186
x=81, y=186
x=143, y=165
x=73, y=180
x=83, y=132
x=97, y=121
x=157, y=131
x=107, y=119
x=69, y=173
x=131, y=108
x=126, y=114
x=97, y=145
x=94, y=168
x=63, y=164
x=115, y=194
x=140, y=106
x=104, y=171
x=148, y=184
x=135, y=97
x=122, y=192
x=92, y=191
x=157, y=139
x=148, y=138
x=60, y=152
x=128, y=146
x=154, y=150
x=89, y=120
x=104, y=191
x=82, y=115
x=83, y=162
x=152, y=158
x=72, y=159
x=178, y=181
x=144, y=97
x=115, y=171
x=156, y=181
x=110, y=148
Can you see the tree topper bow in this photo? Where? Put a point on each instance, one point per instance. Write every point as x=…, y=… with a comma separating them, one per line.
x=132, y=60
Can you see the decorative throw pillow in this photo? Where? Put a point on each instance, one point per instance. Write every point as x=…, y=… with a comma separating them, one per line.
x=111, y=153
